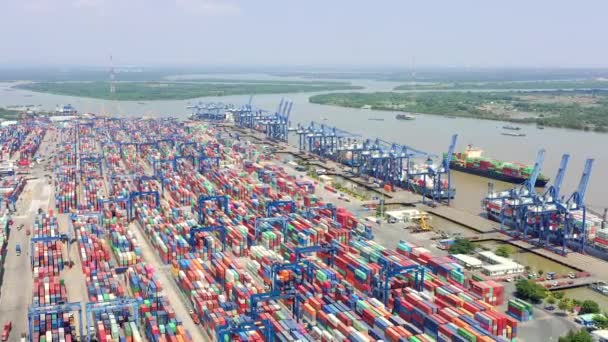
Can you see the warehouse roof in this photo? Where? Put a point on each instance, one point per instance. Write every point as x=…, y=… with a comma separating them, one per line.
x=467, y=260
x=495, y=259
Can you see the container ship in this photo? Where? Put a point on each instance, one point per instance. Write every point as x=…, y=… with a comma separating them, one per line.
x=471, y=161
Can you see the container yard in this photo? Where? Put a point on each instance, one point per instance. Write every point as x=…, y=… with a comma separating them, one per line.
x=188, y=231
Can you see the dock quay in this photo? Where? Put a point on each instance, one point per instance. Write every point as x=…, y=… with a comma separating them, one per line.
x=185, y=231
x=487, y=230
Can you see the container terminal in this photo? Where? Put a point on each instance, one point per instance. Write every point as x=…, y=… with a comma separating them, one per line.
x=200, y=230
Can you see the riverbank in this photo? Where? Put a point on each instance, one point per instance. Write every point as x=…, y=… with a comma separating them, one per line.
x=161, y=90
x=514, y=85
x=8, y=114
x=583, y=110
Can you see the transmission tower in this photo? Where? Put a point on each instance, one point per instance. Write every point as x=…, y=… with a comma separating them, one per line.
x=112, y=77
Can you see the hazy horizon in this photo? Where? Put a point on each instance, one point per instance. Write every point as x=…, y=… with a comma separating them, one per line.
x=324, y=34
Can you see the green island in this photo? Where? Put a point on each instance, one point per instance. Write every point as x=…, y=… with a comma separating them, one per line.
x=576, y=109
x=171, y=90
x=521, y=85
x=8, y=114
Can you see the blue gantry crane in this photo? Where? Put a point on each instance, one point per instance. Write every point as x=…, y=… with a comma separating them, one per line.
x=91, y=160
x=142, y=179
x=438, y=191
x=176, y=160
x=324, y=140
x=302, y=268
x=210, y=111
x=157, y=165
x=575, y=211
x=207, y=229
x=268, y=223
x=512, y=203
x=274, y=206
x=225, y=332
x=275, y=125
x=524, y=197
x=381, y=283
x=92, y=310
x=184, y=145
x=119, y=201
x=293, y=295
x=329, y=248
x=136, y=194
x=311, y=212
x=34, y=312
x=541, y=217
x=221, y=201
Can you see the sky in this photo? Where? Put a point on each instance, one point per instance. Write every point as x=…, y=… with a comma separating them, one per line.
x=450, y=33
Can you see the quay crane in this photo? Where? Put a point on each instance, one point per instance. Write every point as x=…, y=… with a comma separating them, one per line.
x=377, y=158
x=508, y=207
x=574, y=206
x=541, y=216
x=209, y=111
x=274, y=125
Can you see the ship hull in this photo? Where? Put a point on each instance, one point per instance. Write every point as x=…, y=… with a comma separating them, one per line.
x=443, y=195
x=540, y=183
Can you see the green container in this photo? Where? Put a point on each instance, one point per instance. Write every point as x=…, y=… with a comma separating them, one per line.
x=467, y=335
x=360, y=274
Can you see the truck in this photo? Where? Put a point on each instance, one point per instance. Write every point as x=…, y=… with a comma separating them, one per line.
x=18, y=249
x=6, y=331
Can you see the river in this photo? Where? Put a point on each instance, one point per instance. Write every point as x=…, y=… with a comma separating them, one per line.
x=429, y=133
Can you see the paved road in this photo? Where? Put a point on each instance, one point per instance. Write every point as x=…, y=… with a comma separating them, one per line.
x=577, y=282
x=16, y=291
x=170, y=288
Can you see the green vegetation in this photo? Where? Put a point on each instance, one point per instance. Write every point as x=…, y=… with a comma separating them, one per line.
x=7, y=114
x=527, y=85
x=136, y=91
x=460, y=75
x=577, y=336
x=462, y=246
x=559, y=295
x=565, y=304
x=504, y=251
x=551, y=300
x=529, y=290
x=600, y=321
x=589, y=306
x=586, y=110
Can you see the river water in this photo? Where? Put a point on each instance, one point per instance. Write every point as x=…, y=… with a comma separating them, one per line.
x=430, y=133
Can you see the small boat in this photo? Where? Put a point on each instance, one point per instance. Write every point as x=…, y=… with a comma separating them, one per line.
x=513, y=134
x=540, y=126
x=376, y=119
x=513, y=128
x=451, y=117
x=405, y=116
x=141, y=102
x=324, y=119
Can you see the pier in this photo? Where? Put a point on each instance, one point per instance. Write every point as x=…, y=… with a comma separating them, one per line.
x=486, y=230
